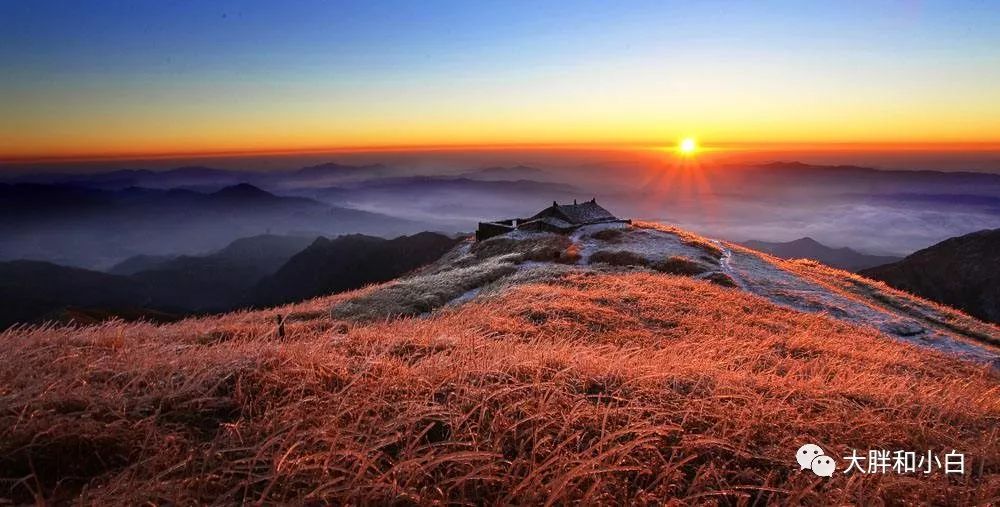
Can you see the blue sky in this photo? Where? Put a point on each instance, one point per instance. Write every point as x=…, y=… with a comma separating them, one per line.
x=89, y=69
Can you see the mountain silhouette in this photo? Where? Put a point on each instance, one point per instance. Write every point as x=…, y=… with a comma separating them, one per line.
x=138, y=263
x=348, y=262
x=260, y=270
x=31, y=290
x=97, y=229
x=963, y=272
x=244, y=192
x=500, y=173
x=808, y=248
x=218, y=281
x=333, y=171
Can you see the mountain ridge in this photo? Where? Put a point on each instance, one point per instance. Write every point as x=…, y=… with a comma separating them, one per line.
x=808, y=248
x=170, y=177
x=961, y=272
x=96, y=229
x=348, y=262
x=168, y=288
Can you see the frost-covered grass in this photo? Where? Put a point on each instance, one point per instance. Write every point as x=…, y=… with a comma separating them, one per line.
x=420, y=294
x=559, y=383
x=880, y=294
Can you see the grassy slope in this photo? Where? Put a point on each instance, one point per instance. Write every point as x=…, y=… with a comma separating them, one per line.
x=591, y=386
x=880, y=295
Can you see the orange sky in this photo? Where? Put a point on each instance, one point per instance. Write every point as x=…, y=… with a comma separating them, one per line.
x=88, y=126
x=104, y=79
x=740, y=150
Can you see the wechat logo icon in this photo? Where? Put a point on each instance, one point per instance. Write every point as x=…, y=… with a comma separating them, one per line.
x=812, y=457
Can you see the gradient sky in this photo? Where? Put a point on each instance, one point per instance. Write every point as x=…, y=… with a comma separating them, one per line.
x=159, y=77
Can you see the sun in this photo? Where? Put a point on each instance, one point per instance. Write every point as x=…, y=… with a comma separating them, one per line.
x=687, y=146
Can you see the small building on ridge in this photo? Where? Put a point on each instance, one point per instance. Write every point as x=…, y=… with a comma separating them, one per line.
x=559, y=218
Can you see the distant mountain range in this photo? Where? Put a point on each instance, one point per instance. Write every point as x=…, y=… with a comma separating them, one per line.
x=26, y=200
x=499, y=173
x=854, y=181
x=840, y=178
x=459, y=201
x=157, y=287
x=250, y=272
x=963, y=272
x=808, y=248
x=189, y=176
x=213, y=282
x=853, y=171
x=988, y=203
x=396, y=201
x=202, y=178
x=322, y=175
x=868, y=209
x=95, y=228
x=348, y=262
x=266, y=252
x=219, y=281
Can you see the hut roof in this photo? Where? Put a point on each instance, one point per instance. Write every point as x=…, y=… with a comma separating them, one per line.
x=584, y=213
x=553, y=221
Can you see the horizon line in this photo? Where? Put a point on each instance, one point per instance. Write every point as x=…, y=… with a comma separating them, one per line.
x=717, y=146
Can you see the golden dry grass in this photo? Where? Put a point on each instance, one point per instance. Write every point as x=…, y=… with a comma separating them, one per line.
x=595, y=388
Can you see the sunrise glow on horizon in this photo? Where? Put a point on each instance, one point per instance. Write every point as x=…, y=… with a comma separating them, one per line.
x=688, y=146
x=109, y=79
